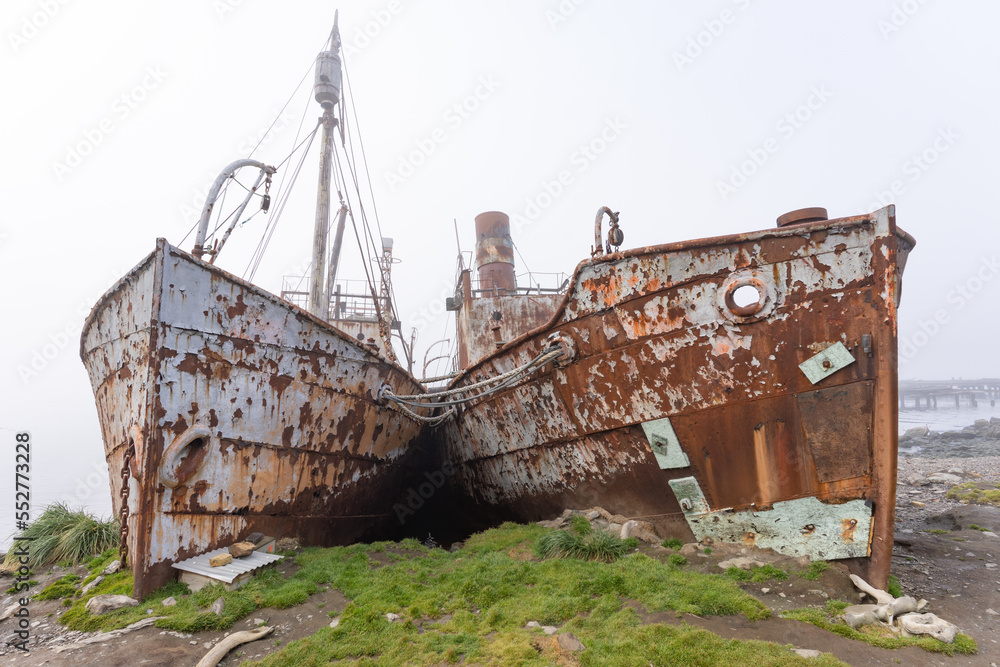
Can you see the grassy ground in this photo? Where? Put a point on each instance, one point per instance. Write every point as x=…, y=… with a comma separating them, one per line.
x=978, y=493
x=473, y=605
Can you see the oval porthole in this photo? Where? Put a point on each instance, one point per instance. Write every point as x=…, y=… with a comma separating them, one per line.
x=747, y=296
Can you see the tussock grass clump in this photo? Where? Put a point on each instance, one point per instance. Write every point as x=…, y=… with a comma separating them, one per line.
x=61, y=534
x=580, y=525
x=597, y=545
x=672, y=543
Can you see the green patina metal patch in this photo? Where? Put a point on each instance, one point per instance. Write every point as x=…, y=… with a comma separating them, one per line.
x=827, y=362
x=800, y=527
x=665, y=445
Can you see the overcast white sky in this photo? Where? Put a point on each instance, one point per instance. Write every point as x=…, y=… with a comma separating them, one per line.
x=701, y=119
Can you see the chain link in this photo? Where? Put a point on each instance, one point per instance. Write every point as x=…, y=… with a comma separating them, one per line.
x=123, y=512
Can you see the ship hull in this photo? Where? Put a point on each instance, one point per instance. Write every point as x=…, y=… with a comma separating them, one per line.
x=679, y=407
x=241, y=413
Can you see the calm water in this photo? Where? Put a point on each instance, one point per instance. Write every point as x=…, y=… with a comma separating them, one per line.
x=80, y=479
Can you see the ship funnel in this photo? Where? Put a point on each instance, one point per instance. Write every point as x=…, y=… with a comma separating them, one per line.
x=328, y=76
x=495, y=252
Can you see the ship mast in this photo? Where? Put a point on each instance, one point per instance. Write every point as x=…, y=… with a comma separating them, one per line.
x=327, y=91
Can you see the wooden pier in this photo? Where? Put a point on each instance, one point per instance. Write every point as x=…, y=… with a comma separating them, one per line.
x=924, y=395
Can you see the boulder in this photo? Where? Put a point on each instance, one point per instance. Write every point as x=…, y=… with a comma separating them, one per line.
x=917, y=432
x=94, y=583
x=220, y=560
x=218, y=606
x=102, y=604
x=550, y=629
x=169, y=602
x=241, y=549
x=943, y=478
x=860, y=614
x=568, y=641
x=112, y=567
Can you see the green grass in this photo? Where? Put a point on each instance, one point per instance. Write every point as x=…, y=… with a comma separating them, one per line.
x=815, y=570
x=894, y=589
x=975, y=527
x=978, y=493
x=485, y=593
x=580, y=525
x=598, y=545
x=758, y=574
x=62, y=587
x=877, y=636
x=672, y=543
x=60, y=534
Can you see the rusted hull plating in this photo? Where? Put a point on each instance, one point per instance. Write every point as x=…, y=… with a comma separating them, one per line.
x=245, y=414
x=685, y=409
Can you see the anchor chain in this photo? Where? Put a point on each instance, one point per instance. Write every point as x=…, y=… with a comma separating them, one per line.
x=123, y=512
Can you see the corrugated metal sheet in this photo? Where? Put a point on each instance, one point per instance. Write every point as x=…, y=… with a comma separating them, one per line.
x=226, y=573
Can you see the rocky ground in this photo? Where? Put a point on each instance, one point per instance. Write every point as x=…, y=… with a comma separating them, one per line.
x=946, y=552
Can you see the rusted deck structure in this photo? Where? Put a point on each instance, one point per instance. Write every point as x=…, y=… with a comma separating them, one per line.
x=770, y=420
x=237, y=413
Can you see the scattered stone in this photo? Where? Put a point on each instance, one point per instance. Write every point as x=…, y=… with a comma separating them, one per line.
x=990, y=566
x=689, y=549
x=765, y=591
x=9, y=611
x=261, y=621
x=569, y=642
x=112, y=567
x=806, y=652
x=335, y=622
x=102, y=604
x=218, y=606
x=286, y=544
x=533, y=624
x=943, y=478
x=549, y=629
x=391, y=617
x=917, y=432
x=816, y=591
x=782, y=595
x=92, y=585
x=169, y=602
x=989, y=533
x=241, y=549
x=220, y=560
x=741, y=562
x=991, y=612
x=593, y=514
x=917, y=503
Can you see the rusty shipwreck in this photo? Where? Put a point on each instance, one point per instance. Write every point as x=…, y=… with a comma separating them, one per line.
x=740, y=388
x=227, y=410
